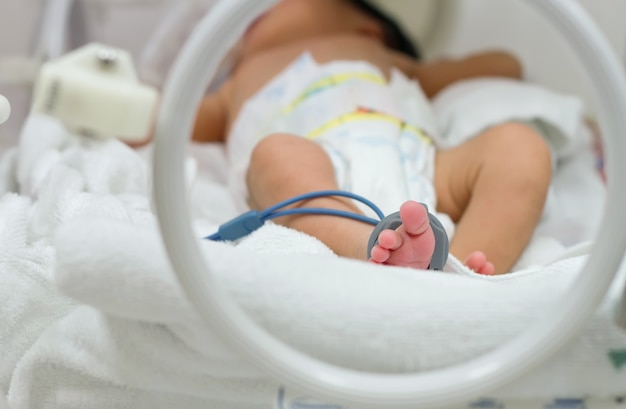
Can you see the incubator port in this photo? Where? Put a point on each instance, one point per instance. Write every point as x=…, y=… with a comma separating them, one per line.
x=94, y=91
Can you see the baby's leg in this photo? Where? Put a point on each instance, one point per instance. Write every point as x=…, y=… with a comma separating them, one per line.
x=284, y=166
x=494, y=187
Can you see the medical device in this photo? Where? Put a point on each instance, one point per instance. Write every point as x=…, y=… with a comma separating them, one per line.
x=250, y=221
x=94, y=91
x=196, y=65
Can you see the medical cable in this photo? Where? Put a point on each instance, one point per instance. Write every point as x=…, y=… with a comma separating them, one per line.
x=250, y=221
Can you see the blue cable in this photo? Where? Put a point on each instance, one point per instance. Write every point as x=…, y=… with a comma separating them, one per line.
x=324, y=193
x=323, y=211
x=252, y=220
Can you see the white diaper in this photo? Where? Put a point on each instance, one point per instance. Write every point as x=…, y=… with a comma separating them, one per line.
x=379, y=134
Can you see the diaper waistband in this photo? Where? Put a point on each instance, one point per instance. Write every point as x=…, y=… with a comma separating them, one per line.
x=334, y=80
x=366, y=114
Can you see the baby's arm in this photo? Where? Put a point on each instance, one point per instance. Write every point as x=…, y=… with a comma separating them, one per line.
x=212, y=117
x=436, y=75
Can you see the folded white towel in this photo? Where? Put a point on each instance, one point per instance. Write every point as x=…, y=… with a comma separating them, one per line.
x=29, y=302
x=351, y=313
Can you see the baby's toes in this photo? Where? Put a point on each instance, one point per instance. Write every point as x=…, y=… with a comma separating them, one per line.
x=389, y=239
x=478, y=262
x=486, y=269
x=379, y=254
x=414, y=218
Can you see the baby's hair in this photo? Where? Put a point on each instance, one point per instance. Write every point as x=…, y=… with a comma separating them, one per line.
x=395, y=37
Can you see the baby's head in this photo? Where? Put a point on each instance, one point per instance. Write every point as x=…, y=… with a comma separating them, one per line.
x=394, y=36
x=293, y=20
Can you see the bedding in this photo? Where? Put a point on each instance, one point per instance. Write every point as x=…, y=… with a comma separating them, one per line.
x=92, y=315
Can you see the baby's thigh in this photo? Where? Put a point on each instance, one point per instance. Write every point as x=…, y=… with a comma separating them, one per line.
x=454, y=171
x=508, y=149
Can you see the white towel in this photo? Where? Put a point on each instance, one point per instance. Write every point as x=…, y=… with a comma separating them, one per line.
x=403, y=319
x=468, y=107
x=95, y=317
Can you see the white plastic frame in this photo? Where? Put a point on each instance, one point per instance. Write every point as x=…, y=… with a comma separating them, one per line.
x=5, y=109
x=192, y=71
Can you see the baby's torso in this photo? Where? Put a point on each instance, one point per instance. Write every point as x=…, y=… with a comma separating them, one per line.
x=257, y=71
x=309, y=89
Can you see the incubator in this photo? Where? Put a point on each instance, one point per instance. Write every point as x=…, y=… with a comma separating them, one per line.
x=95, y=93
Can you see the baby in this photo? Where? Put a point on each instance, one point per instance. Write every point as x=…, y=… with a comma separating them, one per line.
x=341, y=88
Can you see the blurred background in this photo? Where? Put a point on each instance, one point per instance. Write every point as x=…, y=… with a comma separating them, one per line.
x=154, y=30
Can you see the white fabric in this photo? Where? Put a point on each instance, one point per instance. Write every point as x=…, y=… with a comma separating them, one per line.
x=92, y=315
x=469, y=107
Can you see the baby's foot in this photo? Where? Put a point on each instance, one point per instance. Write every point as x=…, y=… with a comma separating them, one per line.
x=477, y=261
x=410, y=245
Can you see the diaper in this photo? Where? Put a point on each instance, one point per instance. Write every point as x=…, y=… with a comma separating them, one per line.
x=379, y=134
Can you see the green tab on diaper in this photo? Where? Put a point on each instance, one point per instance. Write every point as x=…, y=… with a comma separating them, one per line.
x=618, y=358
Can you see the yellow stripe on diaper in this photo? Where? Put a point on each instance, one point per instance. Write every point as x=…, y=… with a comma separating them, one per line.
x=332, y=81
x=369, y=115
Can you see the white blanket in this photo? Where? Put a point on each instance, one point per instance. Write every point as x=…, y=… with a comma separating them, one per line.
x=91, y=314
